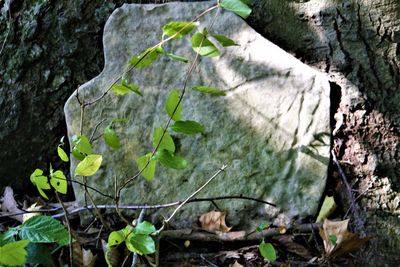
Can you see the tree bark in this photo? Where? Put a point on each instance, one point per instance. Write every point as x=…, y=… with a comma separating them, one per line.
x=357, y=44
x=53, y=46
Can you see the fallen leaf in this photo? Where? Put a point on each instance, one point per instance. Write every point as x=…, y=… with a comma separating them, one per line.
x=82, y=257
x=338, y=240
x=235, y=264
x=9, y=205
x=33, y=207
x=214, y=221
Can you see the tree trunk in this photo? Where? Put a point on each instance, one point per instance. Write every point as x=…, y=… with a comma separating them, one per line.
x=357, y=44
x=53, y=46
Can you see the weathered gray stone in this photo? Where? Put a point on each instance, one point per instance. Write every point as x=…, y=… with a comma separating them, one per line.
x=272, y=128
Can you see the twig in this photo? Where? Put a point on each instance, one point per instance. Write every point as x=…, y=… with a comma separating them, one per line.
x=71, y=251
x=358, y=221
x=133, y=207
x=190, y=234
x=95, y=129
x=139, y=220
x=191, y=196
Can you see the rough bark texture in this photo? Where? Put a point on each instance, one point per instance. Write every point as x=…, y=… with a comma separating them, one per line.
x=357, y=43
x=53, y=46
x=50, y=49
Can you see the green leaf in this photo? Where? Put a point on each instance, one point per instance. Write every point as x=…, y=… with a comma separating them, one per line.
x=59, y=181
x=110, y=137
x=237, y=7
x=182, y=27
x=203, y=46
x=262, y=226
x=267, y=251
x=77, y=154
x=14, y=254
x=144, y=228
x=120, y=89
x=150, y=170
x=173, y=103
x=141, y=244
x=333, y=239
x=144, y=59
x=39, y=254
x=170, y=160
x=166, y=143
x=209, y=90
x=177, y=58
x=327, y=208
x=89, y=165
x=224, y=41
x=43, y=229
x=187, y=127
x=115, y=238
x=61, y=153
x=82, y=144
x=8, y=236
x=40, y=181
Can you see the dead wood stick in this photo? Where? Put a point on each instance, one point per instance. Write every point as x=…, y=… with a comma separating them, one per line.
x=190, y=234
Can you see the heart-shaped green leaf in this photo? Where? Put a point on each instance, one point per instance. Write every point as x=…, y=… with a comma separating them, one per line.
x=89, y=165
x=59, y=181
x=148, y=172
x=173, y=104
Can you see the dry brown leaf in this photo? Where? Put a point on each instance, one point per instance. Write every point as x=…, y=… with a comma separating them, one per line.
x=345, y=241
x=82, y=257
x=214, y=221
x=34, y=207
x=235, y=264
x=9, y=205
x=293, y=247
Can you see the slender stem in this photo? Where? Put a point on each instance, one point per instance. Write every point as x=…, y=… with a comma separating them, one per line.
x=71, y=251
x=191, y=196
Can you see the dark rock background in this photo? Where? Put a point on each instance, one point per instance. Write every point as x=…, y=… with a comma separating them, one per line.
x=50, y=49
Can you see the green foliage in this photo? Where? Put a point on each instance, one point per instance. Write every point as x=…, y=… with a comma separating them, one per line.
x=267, y=251
x=168, y=159
x=61, y=153
x=110, y=137
x=187, y=127
x=148, y=172
x=166, y=143
x=203, y=46
x=144, y=59
x=178, y=29
x=43, y=229
x=208, y=90
x=40, y=181
x=173, y=104
x=224, y=41
x=14, y=254
x=81, y=147
x=236, y=6
x=8, y=236
x=58, y=181
x=125, y=88
x=89, y=165
x=262, y=226
x=333, y=239
x=175, y=57
x=39, y=253
x=136, y=239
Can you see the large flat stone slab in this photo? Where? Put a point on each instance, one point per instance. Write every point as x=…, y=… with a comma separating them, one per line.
x=272, y=127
